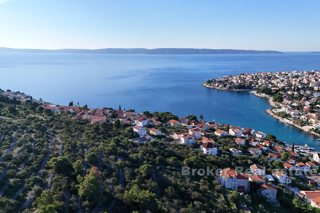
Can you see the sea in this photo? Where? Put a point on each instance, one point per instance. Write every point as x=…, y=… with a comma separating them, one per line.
x=156, y=83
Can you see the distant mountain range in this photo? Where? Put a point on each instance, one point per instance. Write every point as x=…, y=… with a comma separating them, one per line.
x=143, y=51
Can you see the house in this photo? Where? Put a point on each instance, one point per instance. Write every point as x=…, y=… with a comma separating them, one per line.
x=140, y=130
x=142, y=121
x=178, y=135
x=257, y=179
x=207, y=140
x=312, y=165
x=184, y=121
x=235, y=152
x=221, y=133
x=196, y=132
x=269, y=192
x=302, y=167
x=155, y=122
x=130, y=114
x=288, y=166
x=313, y=180
x=203, y=126
x=231, y=179
x=240, y=141
x=154, y=131
x=255, y=151
x=273, y=156
x=125, y=121
x=253, y=142
x=187, y=139
x=209, y=148
x=194, y=123
x=269, y=178
x=260, y=135
x=235, y=131
x=173, y=122
x=316, y=157
x=312, y=197
x=98, y=119
x=281, y=177
x=278, y=149
x=266, y=143
x=53, y=108
x=184, y=138
x=291, y=161
x=257, y=169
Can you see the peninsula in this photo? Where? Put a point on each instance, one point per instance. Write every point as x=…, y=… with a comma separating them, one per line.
x=294, y=96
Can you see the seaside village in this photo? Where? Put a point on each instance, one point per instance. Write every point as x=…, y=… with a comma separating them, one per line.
x=295, y=95
x=291, y=162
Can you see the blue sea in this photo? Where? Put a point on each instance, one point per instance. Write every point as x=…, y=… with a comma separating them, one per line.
x=155, y=83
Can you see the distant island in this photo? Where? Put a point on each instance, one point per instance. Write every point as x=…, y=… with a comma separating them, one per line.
x=142, y=51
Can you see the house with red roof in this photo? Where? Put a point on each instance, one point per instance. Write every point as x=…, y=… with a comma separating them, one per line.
x=268, y=191
x=240, y=141
x=207, y=140
x=184, y=121
x=142, y=121
x=97, y=119
x=231, y=179
x=312, y=197
x=235, y=131
x=288, y=166
x=260, y=135
x=140, y=130
x=256, y=179
x=281, y=176
x=53, y=108
x=184, y=138
x=221, y=133
x=312, y=165
x=173, y=122
x=209, y=148
x=154, y=131
x=273, y=156
x=255, y=151
x=203, y=126
x=257, y=170
x=196, y=132
x=187, y=139
x=302, y=167
x=253, y=142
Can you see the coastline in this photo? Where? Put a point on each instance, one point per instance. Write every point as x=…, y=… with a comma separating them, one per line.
x=223, y=89
x=268, y=111
x=283, y=120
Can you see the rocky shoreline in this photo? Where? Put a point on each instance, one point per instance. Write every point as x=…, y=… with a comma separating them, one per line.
x=306, y=129
x=224, y=89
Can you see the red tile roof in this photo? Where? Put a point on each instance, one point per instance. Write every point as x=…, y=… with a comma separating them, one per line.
x=313, y=195
x=207, y=145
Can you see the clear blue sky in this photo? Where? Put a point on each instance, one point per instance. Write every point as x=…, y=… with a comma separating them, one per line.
x=291, y=25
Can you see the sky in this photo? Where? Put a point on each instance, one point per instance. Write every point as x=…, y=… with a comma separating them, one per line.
x=285, y=25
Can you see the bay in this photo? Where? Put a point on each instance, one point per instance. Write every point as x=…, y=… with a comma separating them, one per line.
x=155, y=83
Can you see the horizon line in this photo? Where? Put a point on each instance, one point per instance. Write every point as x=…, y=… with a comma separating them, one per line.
x=157, y=48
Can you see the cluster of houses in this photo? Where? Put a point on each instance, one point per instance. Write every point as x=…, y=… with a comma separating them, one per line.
x=245, y=141
x=19, y=96
x=299, y=91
